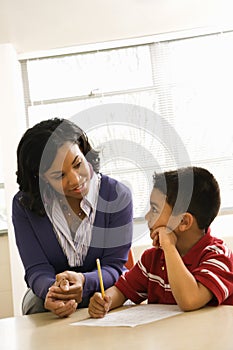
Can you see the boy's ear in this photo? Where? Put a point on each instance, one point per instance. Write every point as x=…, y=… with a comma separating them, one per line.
x=186, y=222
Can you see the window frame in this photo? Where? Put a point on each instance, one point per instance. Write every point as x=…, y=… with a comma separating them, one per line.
x=93, y=48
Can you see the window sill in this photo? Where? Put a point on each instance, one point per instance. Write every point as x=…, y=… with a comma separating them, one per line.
x=3, y=232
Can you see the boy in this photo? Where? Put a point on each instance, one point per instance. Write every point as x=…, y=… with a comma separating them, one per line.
x=187, y=266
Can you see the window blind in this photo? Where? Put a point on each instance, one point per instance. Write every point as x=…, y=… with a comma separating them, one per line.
x=177, y=98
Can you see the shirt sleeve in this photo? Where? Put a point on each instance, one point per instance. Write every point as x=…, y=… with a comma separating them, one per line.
x=133, y=284
x=215, y=272
x=112, y=266
x=39, y=273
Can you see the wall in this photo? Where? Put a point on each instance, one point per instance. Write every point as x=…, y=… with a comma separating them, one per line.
x=43, y=25
x=6, y=301
x=13, y=124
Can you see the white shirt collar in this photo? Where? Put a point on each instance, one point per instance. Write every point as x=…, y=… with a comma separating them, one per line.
x=89, y=202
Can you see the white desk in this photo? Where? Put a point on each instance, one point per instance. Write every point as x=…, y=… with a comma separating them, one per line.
x=208, y=328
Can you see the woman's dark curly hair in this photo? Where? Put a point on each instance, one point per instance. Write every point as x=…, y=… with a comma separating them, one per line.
x=36, y=152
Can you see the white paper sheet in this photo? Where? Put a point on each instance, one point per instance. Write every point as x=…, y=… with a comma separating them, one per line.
x=132, y=316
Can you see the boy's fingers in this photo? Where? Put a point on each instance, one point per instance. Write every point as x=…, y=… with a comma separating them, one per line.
x=98, y=298
x=96, y=313
x=97, y=304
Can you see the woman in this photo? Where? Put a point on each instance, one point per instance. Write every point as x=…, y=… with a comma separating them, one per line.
x=65, y=215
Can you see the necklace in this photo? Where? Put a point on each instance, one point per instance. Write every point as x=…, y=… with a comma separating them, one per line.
x=70, y=212
x=73, y=218
x=66, y=208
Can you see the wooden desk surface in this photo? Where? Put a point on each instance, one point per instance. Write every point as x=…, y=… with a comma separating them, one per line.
x=208, y=328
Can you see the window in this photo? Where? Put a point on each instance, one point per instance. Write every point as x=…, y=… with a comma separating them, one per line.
x=154, y=106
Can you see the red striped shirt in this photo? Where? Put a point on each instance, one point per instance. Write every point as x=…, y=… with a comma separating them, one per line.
x=209, y=260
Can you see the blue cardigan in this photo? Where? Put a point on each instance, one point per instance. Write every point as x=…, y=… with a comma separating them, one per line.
x=43, y=257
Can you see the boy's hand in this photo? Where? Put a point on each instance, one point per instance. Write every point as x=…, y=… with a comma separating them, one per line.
x=163, y=237
x=154, y=235
x=98, y=307
x=166, y=237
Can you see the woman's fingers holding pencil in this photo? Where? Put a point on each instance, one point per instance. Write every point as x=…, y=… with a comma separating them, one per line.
x=98, y=307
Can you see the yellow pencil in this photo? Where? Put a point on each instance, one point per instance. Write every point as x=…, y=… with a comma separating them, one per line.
x=100, y=277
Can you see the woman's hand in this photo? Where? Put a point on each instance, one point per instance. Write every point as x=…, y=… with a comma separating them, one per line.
x=59, y=307
x=65, y=294
x=98, y=307
x=68, y=285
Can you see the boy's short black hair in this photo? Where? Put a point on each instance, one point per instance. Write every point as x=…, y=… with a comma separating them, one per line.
x=193, y=190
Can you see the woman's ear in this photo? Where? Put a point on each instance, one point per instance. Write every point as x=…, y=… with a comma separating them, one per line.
x=186, y=222
x=43, y=178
